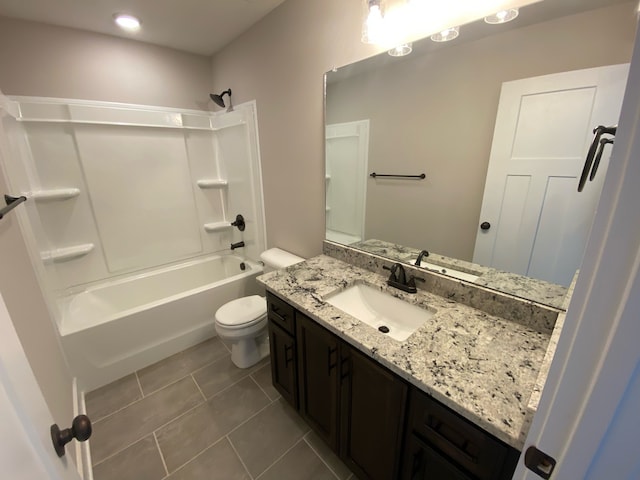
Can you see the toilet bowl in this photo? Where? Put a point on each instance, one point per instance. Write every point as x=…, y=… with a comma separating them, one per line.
x=243, y=322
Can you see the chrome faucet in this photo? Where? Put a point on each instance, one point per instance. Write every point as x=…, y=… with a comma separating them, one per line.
x=398, y=279
x=423, y=253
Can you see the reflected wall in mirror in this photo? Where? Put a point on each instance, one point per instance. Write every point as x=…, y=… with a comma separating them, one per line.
x=434, y=112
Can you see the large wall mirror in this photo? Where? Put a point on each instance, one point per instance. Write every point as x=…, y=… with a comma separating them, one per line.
x=499, y=121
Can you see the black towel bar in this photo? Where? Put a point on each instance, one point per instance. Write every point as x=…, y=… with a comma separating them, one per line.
x=422, y=176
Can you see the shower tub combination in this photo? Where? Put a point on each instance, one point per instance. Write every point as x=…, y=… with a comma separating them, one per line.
x=129, y=223
x=113, y=328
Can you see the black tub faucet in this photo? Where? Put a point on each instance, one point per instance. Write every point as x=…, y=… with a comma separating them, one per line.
x=423, y=253
x=237, y=245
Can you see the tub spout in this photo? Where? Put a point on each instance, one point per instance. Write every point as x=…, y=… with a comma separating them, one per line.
x=237, y=245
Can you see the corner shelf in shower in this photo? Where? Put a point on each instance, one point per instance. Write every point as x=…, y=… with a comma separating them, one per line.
x=67, y=253
x=212, y=183
x=217, y=226
x=53, y=195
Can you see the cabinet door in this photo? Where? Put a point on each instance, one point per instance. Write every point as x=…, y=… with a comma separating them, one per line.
x=424, y=463
x=372, y=416
x=318, y=378
x=283, y=363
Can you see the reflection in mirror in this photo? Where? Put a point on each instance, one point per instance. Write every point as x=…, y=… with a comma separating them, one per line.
x=500, y=121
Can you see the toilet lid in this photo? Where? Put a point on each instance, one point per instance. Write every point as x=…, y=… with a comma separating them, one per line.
x=242, y=311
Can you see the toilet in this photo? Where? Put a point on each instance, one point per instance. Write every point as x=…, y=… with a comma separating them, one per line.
x=243, y=322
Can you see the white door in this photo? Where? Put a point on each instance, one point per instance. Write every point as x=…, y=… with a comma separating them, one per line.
x=347, y=147
x=26, y=451
x=539, y=223
x=588, y=417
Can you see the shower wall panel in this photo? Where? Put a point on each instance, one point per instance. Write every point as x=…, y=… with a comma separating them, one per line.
x=117, y=189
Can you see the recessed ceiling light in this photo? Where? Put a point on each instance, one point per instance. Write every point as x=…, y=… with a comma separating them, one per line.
x=446, y=35
x=503, y=16
x=127, y=22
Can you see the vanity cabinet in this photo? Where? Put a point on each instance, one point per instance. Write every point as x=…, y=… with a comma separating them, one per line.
x=284, y=374
x=372, y=412
x=439, y=440
x=381, y=427
x=318, y=378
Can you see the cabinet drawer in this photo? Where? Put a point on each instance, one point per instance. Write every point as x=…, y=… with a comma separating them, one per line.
x=281, y=313
x=467, y=445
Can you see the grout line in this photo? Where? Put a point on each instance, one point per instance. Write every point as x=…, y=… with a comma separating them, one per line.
x=139, y=384
x=271, y=402
x=319, y=456
x=260, y=387
x=164, y=464
x=198, y=387
x=140, y=399
x=233, y=447
x=280, y=457
x=122, y=449
x=93, y=421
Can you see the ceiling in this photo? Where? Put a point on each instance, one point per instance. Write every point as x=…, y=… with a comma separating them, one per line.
x=196, y=26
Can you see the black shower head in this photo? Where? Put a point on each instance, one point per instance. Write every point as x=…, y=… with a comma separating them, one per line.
x=218, y=98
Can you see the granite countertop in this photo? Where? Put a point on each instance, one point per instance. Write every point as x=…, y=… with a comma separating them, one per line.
x=482, y=366
x=529, y=288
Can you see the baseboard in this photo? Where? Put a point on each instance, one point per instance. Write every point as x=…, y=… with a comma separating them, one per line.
x=82, y=449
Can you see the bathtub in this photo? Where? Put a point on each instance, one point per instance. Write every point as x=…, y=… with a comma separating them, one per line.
x=113, y=328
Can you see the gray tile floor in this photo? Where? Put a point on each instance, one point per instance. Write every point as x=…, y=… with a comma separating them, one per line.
x=196, y=416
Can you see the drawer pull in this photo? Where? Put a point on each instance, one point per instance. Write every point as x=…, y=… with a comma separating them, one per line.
x=330, y=363
x=434, y=425
x=344, y=369
x=288, y=349
x=278, y=316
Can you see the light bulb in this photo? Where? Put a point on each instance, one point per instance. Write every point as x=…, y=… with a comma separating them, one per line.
x=127, y=22
x=503, y=16
x=446, y=35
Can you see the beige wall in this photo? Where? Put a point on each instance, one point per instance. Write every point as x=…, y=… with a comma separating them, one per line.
x=435, y=113
x=49, y=61
x=280, y=62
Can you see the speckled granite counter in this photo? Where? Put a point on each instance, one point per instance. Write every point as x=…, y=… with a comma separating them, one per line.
x=482, y=366
x=511, y=283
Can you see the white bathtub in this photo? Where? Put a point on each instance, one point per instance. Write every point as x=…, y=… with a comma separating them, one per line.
x=119, y=326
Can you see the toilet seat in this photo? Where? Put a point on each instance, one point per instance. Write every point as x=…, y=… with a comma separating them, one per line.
x=242, y=312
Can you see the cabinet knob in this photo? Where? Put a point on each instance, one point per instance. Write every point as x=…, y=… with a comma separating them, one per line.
x=485, y=225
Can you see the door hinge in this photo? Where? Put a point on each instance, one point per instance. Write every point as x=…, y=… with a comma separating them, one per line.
x=539, y=462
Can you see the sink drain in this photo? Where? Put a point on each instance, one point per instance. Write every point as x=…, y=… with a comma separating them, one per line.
x=384, y=329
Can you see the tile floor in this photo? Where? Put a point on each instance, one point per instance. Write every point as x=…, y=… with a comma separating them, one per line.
x=196, y=416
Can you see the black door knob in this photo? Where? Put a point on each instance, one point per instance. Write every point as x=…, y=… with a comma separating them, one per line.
x=485, y=225
x=80, y=430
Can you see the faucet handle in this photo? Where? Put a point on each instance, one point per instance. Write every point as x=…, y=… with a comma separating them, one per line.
x=412, y=281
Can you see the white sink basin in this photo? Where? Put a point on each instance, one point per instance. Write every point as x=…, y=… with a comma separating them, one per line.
x=469, y=277
x=379, y=309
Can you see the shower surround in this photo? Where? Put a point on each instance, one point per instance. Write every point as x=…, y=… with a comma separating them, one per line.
x=128, y=195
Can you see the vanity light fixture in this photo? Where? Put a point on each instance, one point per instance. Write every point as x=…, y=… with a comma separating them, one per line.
x=446, y=35
x=127, y=22
x=503, y=16
x=372, y=27
x=401, y=50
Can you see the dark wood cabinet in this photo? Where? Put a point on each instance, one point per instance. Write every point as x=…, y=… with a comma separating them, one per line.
x=373, y=406
x=359, y=408
x=424, y=463
x=283, y=363
x=453, y=440
x=318, y=379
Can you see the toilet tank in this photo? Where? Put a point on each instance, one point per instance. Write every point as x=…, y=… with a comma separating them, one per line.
x=275, y=259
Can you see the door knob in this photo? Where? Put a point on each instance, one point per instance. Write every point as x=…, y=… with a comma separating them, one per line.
x=80, y=430
x=485, y=225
